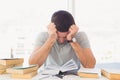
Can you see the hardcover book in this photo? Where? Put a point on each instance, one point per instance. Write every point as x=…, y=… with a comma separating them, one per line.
x=89, y=73
x=11, y=61
x=111, y=74
x=25, y=76
x=22, y=69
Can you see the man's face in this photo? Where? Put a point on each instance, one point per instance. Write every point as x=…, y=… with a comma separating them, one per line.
x=62, y=36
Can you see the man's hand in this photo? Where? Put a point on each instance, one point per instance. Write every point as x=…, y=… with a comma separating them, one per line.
x=72, y=31
x=52, y=31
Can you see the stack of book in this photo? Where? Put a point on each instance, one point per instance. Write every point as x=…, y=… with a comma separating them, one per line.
x=9, y=62
x=89, y=73
x=25, y=72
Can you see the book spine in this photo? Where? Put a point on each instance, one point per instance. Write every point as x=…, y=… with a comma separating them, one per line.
x=10, y=62
x=2, y=71
x=25, y=76
x=22, y=71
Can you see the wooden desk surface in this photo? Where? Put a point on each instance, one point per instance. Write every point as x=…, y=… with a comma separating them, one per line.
x=68, y=77
x=38, y=76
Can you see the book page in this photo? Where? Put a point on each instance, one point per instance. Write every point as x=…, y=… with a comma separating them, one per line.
x=51, y=69
x=70, y=65
x=50, y=72
x=24, y=67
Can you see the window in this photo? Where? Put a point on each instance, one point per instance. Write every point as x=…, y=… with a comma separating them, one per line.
x=100, y=19
x=22, y=20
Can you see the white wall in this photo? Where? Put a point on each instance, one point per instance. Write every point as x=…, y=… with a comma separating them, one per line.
x=21, y=20
x=100, y=19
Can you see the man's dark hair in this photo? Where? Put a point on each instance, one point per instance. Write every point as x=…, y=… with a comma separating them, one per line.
x=63, y=20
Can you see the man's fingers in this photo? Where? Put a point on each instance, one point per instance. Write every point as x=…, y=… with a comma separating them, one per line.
x=51, y=25
x=68, y=37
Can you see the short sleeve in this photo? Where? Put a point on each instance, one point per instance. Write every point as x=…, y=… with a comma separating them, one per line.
x=41, y=38
x=82, y=39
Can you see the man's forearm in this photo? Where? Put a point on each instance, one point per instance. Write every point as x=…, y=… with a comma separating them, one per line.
x=85, y=55
x=40, y=55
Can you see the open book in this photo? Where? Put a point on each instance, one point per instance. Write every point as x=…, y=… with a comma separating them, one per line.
x=53, y=70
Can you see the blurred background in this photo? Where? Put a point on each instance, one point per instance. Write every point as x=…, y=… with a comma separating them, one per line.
x=22, y=20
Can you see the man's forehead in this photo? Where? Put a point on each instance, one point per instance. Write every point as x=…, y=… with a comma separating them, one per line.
x=62, y=33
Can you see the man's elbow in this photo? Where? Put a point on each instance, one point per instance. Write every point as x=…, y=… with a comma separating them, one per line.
x=90, y=64
x=31, y=62
x=94, y=63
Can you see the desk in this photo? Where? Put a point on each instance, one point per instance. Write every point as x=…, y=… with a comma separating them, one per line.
x=68, y=77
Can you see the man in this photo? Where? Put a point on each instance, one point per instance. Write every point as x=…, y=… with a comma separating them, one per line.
x=56, y=46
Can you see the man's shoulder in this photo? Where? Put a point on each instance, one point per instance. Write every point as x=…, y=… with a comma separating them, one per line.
x=44, y=34
x=81, y=36
x=81, y=33
x=82, y=39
